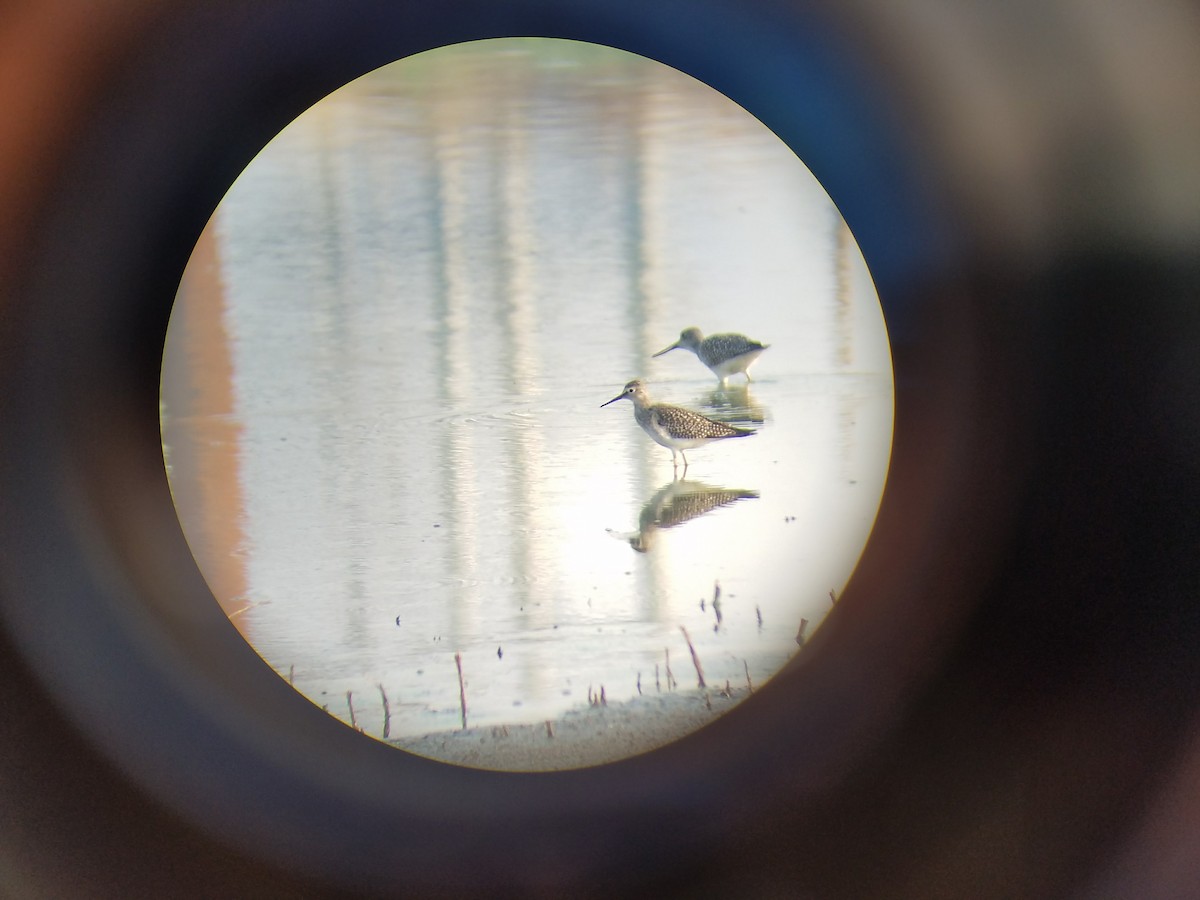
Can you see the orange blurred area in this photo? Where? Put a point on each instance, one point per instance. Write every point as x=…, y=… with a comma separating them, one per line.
x=54, y=58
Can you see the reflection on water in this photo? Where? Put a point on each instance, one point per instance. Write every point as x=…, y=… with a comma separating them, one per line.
x=677, y=502
x=733, y=404
x=383, y=372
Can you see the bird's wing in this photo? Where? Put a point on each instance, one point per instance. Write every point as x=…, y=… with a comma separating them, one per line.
x=727, y=346
x=683, y=422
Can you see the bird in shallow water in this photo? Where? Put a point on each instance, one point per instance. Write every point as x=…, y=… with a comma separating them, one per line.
x=724, y=354
x=674, y=427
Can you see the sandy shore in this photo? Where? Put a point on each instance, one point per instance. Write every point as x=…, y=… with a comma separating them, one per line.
x=591, y=735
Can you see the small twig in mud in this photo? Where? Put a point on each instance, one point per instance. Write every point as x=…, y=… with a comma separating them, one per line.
x=749, y=684
x=292, y=675
x=590, y=702
x=387, y=713
x=708, y=701
x=832, y=596
x=350, y=703
x=462, y=690
x=758, y=613
x=549, y=729
x=695, y=658
x=657, y=683
x=639, y=684
x=603, y=699
x=671, y=682
x=800, y=633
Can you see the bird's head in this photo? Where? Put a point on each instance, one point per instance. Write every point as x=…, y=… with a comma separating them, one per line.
x=630, y=390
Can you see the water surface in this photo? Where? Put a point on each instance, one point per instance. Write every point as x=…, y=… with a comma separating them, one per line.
x=383, y=379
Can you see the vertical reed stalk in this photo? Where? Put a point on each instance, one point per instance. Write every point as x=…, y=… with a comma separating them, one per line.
x=462, y=690
x=695, y=658
x=387, y=713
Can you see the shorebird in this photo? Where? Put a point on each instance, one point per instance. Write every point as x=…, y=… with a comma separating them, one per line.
x=725, y=354
x=674, y=427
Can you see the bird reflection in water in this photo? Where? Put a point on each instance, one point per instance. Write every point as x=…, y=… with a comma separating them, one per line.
x=734, y=405
x=675, y=503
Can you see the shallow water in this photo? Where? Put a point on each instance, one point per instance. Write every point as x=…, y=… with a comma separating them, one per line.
x=383, y=379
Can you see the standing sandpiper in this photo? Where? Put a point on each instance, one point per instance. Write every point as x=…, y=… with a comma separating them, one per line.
x=674, y=427
x=725, y=354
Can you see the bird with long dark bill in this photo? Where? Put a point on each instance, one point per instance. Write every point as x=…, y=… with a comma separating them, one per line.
x=724, y=354
x=676, y=428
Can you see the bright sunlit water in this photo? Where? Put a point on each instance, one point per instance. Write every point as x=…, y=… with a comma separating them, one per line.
x=384, y=372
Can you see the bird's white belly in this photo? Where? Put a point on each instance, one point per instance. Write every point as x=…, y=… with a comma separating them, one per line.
x=735, y=364
x=662, y=436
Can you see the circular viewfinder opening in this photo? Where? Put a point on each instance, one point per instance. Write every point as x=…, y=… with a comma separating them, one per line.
x=527, y=404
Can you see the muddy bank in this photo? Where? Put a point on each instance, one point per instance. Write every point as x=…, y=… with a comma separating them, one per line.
x=588, y=736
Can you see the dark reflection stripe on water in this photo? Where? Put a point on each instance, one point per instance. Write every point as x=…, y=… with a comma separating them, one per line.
x=734, y=405
x=676, y=503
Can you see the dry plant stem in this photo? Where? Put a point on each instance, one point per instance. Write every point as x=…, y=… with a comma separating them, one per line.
x=800, y=633
x=749, y=684
x=695, y=658
x=350, y=703
x=462, y=690
x=387, y=713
